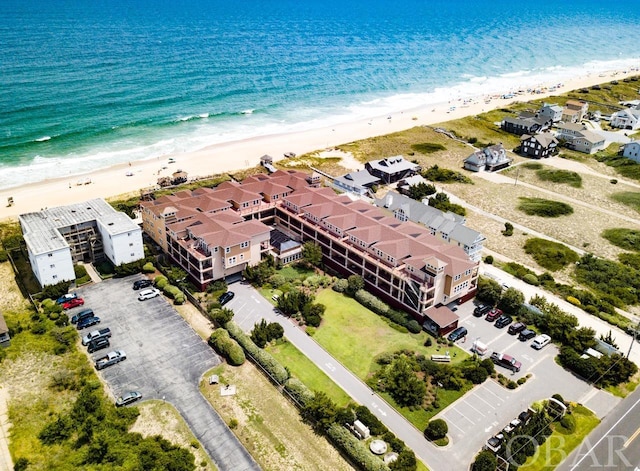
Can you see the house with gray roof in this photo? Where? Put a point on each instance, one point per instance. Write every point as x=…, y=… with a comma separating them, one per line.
x=628, y=118
x=550, y=112
x=5, y=340
x=524, y=125
x=359, y=182
x=538, y=146
x=490, y=158
x=391, y=169
x=91, y=231
x=449, y=227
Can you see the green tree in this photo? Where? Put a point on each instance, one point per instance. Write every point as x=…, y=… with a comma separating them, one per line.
x=485, y=461
x=320, y=411
x=356, y=282
x=609, y=339
x=511, y=300
x=403, y=384
x=312, y=254
x=436, y=429
x=221, y=316
x=489, y=291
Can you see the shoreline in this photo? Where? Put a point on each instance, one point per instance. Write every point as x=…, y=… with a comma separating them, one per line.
x=236, y=155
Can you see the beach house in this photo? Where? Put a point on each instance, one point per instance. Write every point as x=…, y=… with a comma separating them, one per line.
x=628, y=118
x=524, y=125
x=490, y=158
x=631, y=151
x=402, y=262
x=550, y=112
x=391, y=169
x=538, y=146
x=91, y=231
x=360, y=182
x=574, y=111
x=5, y=339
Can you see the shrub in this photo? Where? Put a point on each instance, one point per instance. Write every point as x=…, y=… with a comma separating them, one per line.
x=413, y=326
x=436, y=429
x=160, y=281
x=341, y=285
x=264, y=359
x=357, y=451
x=568, y=422
x=227, y=347
x=550, y=255
x=171, y=291
x=560, y=176
x=544, y=208
x=574, y=301
x=508, y=229
x=627, y=239
x=221, y=316
x=365, y=416
x=485, y=461
x=531, y=279
x=148, y=268
x=437, y=174
x=488, y=260
x=298, y=391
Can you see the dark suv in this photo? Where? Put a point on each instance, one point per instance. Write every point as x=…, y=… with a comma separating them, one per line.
x=516, y=328
x=87, y=322
x=98, y=344
x=481, y=310
x=142, y=284
x=526, y=334
x=226, y=297
x=503, y=321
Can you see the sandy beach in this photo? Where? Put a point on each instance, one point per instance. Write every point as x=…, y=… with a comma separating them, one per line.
x=241, y=154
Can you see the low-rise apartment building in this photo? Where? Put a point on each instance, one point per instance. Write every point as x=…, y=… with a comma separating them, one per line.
x=400, y=261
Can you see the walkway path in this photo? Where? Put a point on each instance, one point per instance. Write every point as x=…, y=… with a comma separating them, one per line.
x=6, y=463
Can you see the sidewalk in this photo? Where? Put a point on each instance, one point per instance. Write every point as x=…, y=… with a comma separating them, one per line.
x=6, y=463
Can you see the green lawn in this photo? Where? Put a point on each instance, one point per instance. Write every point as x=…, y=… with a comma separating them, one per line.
x=559, y=445
x=307, y=372
x=354, y=335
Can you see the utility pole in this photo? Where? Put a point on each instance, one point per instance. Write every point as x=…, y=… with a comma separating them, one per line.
x=634, y=336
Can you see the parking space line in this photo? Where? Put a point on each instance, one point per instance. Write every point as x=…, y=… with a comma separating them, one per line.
x=495, y=395
x=450, y=421
x=464, y=416
x=486, y=402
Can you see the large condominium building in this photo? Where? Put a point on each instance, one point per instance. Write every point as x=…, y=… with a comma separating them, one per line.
x=213, y=233
x=91, y=231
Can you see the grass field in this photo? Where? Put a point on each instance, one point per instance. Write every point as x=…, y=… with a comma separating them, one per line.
x=355, y=335
x=559, y=445
x=307, y=372
x=268, y=425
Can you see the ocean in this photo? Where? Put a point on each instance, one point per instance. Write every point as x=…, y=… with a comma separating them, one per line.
x=89, y=84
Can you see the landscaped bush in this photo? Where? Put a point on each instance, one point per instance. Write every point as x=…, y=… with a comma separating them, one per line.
x=356, y=450
x=341, y=285
x=568, y=423
x=436, y=429
x=171, y=291
x=485, y=461
x=574, y=301
x=488, y=260
x=365, y=416
x=400, y=318
x=81, y=274
x=220, y=316
x=160, y=281
x=627, y=239
x=544, y=208
x=264, y=332
x=127, y=269
x=421, y=191
x=263, y=358
x=560, y=176
x=148, y=268
x=550, y=255
x=441, y=201
x=531, y=279
x=370, y=301
x=298, y=391
x=227, y=347
x=55, y=291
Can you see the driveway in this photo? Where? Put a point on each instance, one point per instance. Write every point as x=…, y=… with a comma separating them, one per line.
x=165, y=360
x=489, y=407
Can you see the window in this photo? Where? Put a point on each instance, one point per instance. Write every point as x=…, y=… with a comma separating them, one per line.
x=244, y=245
x=128, y=234
x=55, y=277
x=457, y=277
x=131, y=244
x=232, y=261
x=133, y=255
x=241, y=256
x=52, y=266
x=227, y=250
x=215, y=249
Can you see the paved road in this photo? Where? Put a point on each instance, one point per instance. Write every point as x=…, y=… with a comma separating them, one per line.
x=614, y=444
x=165, y=360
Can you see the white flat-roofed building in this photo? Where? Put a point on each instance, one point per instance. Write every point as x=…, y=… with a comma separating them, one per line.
x=90, y=231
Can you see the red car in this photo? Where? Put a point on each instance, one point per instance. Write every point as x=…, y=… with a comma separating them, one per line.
x=73, y=303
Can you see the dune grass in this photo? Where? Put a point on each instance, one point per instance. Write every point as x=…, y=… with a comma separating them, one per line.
x=543, y=207
x=627, y=239
x=560, y=176
x=629, y=198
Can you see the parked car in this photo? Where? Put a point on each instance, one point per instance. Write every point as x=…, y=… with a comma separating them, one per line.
x=516, y=328
x=88, y=322
x=98, y=344
x=128, y=398
x=142, y=284
x=226, y=297
x=506, y=361
x=73, y=303
x=481, y=310
x=526, y=334
x=457, y=334
x=82, y=315
x=503, y=321
x=493, y=314
x=148, y=294
x=95, y=334
x=66, y=297
x=541, y=341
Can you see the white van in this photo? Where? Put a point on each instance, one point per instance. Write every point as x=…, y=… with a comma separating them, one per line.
x=479, y=347
x=540, y=341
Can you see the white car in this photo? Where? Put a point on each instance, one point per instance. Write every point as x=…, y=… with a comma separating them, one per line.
x=148, y=294
x=540, y=341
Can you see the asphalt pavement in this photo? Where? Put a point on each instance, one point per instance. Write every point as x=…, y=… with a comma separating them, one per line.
x=165, y=360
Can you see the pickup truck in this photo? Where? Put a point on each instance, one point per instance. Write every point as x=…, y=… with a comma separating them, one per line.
x=506, y=361
x=95, y=334
x=110, y=358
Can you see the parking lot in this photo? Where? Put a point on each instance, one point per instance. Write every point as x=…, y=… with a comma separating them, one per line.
x=165, y=360
x=489, y=407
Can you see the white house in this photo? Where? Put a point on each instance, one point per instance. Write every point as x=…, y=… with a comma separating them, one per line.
x=91, y=231
x=550, y=112
x=632, y=151
x=626, y=119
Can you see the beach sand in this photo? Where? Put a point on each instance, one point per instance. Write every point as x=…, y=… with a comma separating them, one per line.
x=237, y=155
